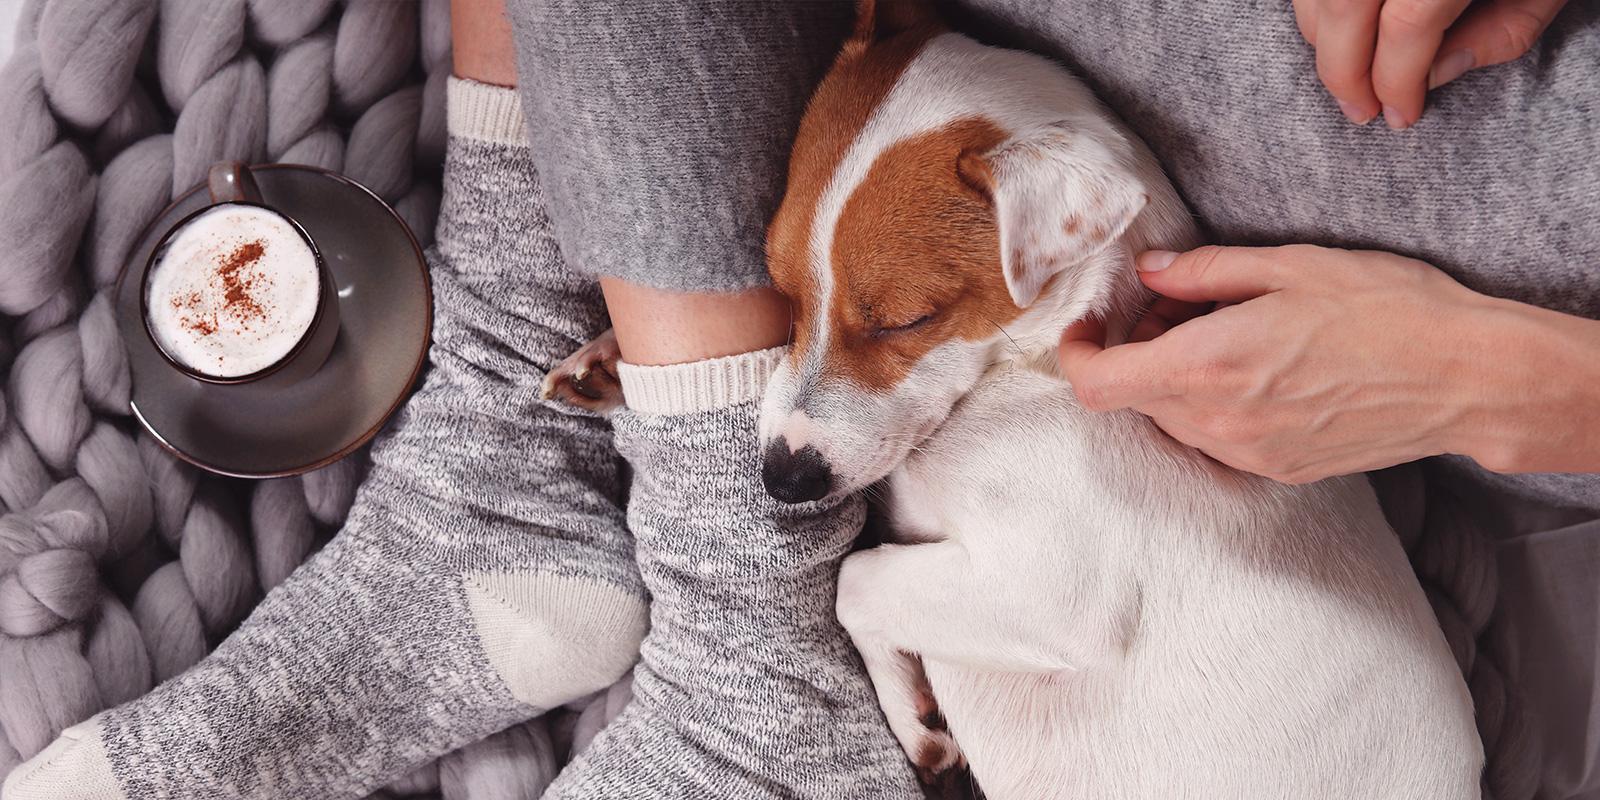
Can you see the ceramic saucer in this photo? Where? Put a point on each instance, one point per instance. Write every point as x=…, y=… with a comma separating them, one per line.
x=386, y=313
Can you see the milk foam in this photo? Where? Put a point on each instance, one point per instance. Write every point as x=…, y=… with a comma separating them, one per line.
x=233, y=291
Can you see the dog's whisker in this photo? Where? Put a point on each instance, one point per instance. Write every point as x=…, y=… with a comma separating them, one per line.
x=1002, y=330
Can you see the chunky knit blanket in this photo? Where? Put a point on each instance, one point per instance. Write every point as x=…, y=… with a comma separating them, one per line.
x=121, y=566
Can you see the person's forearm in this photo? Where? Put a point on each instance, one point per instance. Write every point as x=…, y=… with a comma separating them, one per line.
x=1537, y=406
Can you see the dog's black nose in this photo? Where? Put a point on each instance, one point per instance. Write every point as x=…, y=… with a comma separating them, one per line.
x=795, y=477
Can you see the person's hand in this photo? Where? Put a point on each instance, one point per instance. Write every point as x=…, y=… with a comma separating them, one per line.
x=1383, y=56
x=1325, y=362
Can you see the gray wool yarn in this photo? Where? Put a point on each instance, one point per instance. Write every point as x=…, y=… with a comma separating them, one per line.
x=601, y=710
x=1455, y=562
x=95, y=42
x=280, y=518
x=47, y=395
x=330, y=491
x=121, y=565
x=48, y=685
x=44, y=206
x=29, y=129
x=56, y=309
x=117, y=656
x=136, y=118
x=169, y=622
x=431, y=130
x=278, y=23
x=435, y=39
x=517, y=763
x=196, y=38
x=382, y=144
x=226, y=118
x=322, y=148
x=298, y=90
x=375, y=45
x=216, y=563
x=23, y=478
x=134, y=187
x=423, y=780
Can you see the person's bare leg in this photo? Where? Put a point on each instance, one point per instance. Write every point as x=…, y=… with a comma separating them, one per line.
x=656, y=327
x=481, y=43
x=485, y=572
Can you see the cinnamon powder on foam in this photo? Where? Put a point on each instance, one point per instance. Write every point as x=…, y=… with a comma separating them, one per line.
x=236, y=296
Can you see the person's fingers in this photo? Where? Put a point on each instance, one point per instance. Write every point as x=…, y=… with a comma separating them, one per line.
x=1165, y=314
x=1305, y=18
x=1409, y=33
x=1491, y=33
x=1346, y=31
x=1110, y=378
x=1214, y=274
x=1082, y=341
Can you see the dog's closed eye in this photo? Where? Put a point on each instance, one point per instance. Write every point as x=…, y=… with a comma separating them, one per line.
x=906, y=327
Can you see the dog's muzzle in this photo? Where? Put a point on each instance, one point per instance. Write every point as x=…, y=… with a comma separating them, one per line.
x=795, y=477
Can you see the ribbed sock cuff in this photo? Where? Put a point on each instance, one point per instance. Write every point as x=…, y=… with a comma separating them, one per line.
x=484, y=111
x=698, y=386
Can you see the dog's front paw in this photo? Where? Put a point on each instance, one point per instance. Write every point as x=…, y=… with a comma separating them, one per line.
x=933, y=751
x=588, y=378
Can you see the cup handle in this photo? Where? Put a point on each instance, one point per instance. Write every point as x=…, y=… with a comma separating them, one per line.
x=230, y=181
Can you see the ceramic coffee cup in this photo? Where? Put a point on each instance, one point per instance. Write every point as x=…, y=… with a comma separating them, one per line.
x=238, y=292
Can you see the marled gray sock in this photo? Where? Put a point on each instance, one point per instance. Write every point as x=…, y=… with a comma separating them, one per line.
x=746, y=687
x=484, y=574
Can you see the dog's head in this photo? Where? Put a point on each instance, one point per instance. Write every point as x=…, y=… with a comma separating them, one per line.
x=950, y=206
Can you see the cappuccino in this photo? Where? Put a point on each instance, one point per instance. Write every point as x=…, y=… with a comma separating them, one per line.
x=233, y=291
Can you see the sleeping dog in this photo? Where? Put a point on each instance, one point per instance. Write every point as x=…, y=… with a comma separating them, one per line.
x=1096, y=610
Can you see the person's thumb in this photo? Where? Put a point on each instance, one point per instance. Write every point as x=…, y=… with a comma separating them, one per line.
x=1490, y=33
x=1104, y=379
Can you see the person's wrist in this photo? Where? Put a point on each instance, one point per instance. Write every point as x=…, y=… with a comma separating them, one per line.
x=1532, y=389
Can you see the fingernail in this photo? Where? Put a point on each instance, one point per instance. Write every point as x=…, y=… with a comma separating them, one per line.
x=1450, y=67
x=1394, y=118
x=1354, y=114
x=1155, y=260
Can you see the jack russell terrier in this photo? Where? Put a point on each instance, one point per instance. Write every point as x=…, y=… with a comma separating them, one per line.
x=1097, y=610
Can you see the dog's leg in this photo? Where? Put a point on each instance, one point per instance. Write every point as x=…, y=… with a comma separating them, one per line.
x=1021, y=616
x=588, y=378
x=932, y=600
x=909, y=706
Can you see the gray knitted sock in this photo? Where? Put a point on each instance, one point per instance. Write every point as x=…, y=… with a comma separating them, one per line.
x=484, y=574
x=746, y=685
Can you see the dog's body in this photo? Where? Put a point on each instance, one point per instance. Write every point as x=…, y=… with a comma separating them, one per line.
x=1099, y=610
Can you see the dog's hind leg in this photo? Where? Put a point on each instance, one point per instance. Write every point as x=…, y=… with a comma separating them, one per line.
x=910, y=708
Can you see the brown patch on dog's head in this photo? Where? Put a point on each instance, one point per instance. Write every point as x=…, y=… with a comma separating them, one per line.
x=888, y=36
x=915, y=259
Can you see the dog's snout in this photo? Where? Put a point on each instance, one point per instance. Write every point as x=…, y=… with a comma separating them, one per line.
x=795, y=477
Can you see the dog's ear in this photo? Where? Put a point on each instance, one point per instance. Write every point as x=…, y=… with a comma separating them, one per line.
x=877, y=20
x=1059, y=197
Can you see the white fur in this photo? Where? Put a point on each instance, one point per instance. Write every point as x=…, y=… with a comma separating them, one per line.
x=1100, y=611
